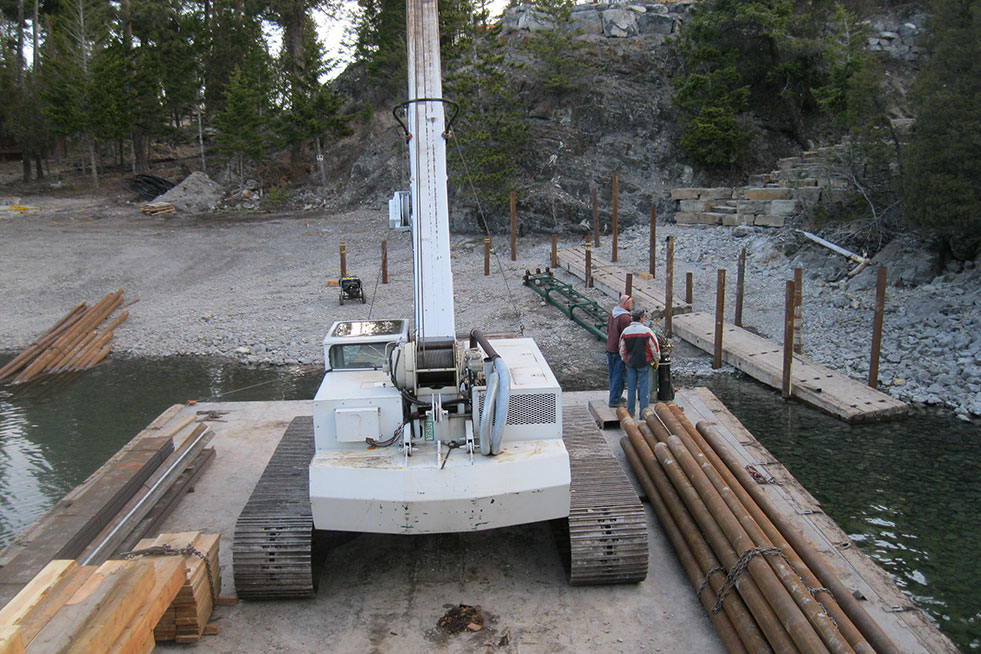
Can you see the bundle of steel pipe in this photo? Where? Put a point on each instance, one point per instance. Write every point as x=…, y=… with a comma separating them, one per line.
x=731, y=537
x=73, y=343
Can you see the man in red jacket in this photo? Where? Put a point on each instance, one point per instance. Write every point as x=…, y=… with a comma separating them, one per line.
x=618, y=321
x=639, y=351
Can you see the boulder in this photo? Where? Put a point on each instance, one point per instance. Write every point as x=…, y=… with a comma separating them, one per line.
x=619, y=23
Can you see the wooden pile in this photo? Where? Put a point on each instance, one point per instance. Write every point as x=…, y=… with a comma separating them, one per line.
x=187, y=618
x=74, y=343
x=119, y=607
x=157, y=208
x=106, y=609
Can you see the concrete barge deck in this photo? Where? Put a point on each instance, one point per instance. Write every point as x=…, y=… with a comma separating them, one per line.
x=384, y=593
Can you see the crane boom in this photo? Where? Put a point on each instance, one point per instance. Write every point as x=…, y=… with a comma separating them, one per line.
x=433, y=291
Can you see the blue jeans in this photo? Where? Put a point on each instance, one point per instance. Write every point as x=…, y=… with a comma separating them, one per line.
x=615, y=369
x=638, y=389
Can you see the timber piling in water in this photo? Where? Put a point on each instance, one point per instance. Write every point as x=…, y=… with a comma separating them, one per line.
x=517, y=568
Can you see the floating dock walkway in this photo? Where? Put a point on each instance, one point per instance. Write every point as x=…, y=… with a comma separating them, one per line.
x=761, y=359
x=382, y=592
x=612, y=280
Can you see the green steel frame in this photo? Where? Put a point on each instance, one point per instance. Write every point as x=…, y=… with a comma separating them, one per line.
x=571, y=302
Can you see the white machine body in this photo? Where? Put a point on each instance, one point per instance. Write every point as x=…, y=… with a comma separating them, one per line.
x=423, y=433
x=434, y=488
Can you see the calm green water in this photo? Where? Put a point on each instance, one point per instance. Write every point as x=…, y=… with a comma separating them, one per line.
x=907, y=492
x=50, y=443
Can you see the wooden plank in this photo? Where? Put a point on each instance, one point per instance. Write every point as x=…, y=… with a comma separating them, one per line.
x=11, y=640
x=57, y=635
x=611, y=280
x=38, y=617
x=34, y=592
x=812, y=383
x=169, y=576
x=112, y=617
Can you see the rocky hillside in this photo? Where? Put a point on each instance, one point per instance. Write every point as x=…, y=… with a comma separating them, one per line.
x=618, y=118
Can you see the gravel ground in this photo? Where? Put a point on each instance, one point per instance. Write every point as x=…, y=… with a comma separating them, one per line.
x=254, y=287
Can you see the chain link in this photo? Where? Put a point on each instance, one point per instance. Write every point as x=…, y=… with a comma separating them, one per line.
x=187, y=550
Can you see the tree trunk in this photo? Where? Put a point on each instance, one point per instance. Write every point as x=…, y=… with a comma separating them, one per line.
x=141, y=162
x=25, y=160
x=320, y=164
x=20, y=47
x=37, y=165
x=37, y=46
x=95, y=170
x=204, y=168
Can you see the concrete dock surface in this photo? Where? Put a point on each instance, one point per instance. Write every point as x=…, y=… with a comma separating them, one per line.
x=385, y=593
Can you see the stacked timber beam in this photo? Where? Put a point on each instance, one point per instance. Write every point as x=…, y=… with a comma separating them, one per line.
x=73, y=343
x=116, y=506
x=765, y=587
x=113, y=608
x=186, y=620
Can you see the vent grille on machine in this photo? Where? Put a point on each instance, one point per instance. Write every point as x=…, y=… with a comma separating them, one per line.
x=527, y=409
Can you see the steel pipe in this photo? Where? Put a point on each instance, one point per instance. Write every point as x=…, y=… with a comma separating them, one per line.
x=771, y=625
x=739, y=484
x=869, y=630
x=735, y=608
x=790, y=614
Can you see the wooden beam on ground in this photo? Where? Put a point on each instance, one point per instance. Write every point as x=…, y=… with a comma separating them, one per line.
x=611, y=279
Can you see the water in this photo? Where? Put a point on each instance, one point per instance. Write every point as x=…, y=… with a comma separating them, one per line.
x=51, y=443
x=908, y=492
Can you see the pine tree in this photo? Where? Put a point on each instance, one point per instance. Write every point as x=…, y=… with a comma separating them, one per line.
x=241, y=133
x=942, y=168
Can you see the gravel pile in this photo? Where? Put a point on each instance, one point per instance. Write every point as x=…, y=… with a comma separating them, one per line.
x=256, y=289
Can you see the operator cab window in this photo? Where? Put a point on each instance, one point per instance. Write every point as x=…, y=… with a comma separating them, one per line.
x=358, y=356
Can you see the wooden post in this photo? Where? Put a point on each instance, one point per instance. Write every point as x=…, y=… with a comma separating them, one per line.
x=668, y=285
x=880, y=306
x=689, y=282
x=740, y=286
x=343, y=260
x=788, y=339
x=486, y=256
x=616, y=213
x=629, y=288
x=589, y=262
x=596, y=225
x=514, y=227
x=652, y=267
x=384, y=262
x=555, y=251
x=798, y=300
x=720, y=308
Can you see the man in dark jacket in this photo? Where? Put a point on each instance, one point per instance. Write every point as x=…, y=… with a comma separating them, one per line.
x=618, y=321
x=639, y=351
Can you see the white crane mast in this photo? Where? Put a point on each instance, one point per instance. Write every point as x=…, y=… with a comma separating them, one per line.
x=434, y=319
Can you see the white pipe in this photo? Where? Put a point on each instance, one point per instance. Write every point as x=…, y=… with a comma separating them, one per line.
x=490, y=399
x=501, y=408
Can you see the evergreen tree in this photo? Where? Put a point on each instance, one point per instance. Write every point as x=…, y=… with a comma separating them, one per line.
x=942, y=167
x=558, y=69
x=741, y=54
x=490, y=133
x=241, y=125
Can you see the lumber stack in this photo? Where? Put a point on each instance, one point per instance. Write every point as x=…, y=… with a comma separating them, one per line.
x=187, y=617
x=157, y=208
x=73, y=343
x=106, y=609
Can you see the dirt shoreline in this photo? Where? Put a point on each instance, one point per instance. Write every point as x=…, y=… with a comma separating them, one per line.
x=253, y=286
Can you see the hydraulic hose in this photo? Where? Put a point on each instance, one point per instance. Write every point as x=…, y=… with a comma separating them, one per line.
x=501, y=405
x=490, y=399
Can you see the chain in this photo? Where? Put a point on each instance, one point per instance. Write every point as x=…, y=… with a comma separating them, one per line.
x=187, y=550
x=738, y=568
x=708, y=575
